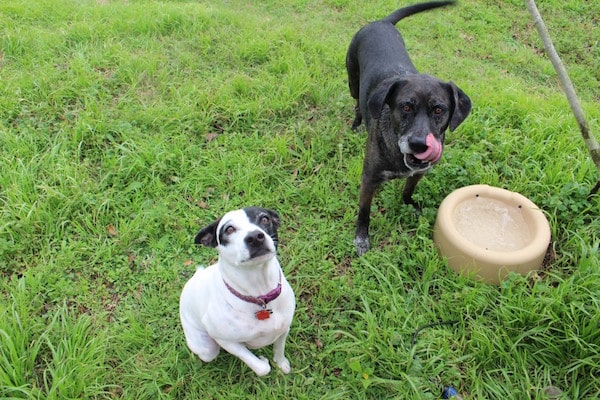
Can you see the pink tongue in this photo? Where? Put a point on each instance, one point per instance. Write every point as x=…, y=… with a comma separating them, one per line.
x=433, y=152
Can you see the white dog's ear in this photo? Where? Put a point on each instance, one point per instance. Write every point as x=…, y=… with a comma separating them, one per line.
x=208, y=235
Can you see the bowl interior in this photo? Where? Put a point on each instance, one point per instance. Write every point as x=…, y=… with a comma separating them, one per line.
x=492, y=223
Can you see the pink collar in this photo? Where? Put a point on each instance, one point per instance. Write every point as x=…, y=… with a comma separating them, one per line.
x=261, y=300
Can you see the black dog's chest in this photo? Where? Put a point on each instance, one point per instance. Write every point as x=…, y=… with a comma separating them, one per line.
x=387, y=175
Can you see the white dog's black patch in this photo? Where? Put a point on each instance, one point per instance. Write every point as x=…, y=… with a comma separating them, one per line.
x=217, y=233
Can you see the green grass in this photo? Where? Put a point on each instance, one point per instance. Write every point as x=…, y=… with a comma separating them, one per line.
x=125, y=126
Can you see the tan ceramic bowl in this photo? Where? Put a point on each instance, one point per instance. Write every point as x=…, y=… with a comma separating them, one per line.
x=487, y=232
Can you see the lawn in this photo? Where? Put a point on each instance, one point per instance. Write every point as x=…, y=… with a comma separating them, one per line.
x=126, y=126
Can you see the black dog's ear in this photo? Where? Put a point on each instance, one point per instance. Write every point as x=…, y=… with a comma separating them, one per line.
x=462, y=106
x=381, y=96
x=208, y=235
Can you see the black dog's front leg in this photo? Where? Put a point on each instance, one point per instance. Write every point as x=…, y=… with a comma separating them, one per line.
x=409, y=189
x=357, y=117
x=367, y=192
x=361, y=239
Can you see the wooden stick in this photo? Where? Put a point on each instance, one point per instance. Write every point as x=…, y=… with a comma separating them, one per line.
x=567, y=87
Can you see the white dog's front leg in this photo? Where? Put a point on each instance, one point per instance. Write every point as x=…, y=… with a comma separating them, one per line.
x=259, y=365
x=279, y=354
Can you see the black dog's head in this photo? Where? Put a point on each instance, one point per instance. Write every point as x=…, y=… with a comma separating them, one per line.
x=248, y=234
x=421, y=108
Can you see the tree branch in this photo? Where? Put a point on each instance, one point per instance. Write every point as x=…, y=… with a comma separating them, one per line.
x=567, y=87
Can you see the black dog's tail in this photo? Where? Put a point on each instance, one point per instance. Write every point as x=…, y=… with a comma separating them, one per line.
x=397, y=15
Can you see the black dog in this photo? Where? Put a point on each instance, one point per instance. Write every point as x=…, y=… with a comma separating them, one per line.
x=406, y=113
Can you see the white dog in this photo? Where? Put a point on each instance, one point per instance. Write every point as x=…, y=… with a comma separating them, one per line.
x=243, y=301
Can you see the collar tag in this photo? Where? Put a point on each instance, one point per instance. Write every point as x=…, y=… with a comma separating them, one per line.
x=263, y=314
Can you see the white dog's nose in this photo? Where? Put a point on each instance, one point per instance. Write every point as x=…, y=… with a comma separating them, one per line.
x=255, y=238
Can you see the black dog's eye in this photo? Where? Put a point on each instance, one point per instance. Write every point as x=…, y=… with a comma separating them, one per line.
x=229, y=230
x=264, y=220
x=407, y=108
x=438, y=110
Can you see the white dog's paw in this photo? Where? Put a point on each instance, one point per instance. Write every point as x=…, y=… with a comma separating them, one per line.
x=261, y=367
x=283, y=364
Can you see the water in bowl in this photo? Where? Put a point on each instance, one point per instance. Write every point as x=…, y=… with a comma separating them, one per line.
x=492, y=224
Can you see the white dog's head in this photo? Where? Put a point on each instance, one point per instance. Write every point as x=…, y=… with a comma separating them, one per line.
x=248, y=235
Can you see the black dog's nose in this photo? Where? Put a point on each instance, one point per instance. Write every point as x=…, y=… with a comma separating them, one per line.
x=255, y=238
x=418, y=144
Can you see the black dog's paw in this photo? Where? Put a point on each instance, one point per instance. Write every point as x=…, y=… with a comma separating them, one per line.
x=362, y=245
x=417, y=209
x=410, y=202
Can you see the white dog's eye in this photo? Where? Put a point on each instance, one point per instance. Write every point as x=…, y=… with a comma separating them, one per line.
x=264, y=220
x=229, y=230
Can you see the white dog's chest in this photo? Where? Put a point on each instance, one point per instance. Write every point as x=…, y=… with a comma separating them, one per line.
x=233, y=320
x=265, y=332
x=239, y=323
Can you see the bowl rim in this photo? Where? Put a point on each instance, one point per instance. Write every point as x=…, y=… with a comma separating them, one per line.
x=540, y=228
